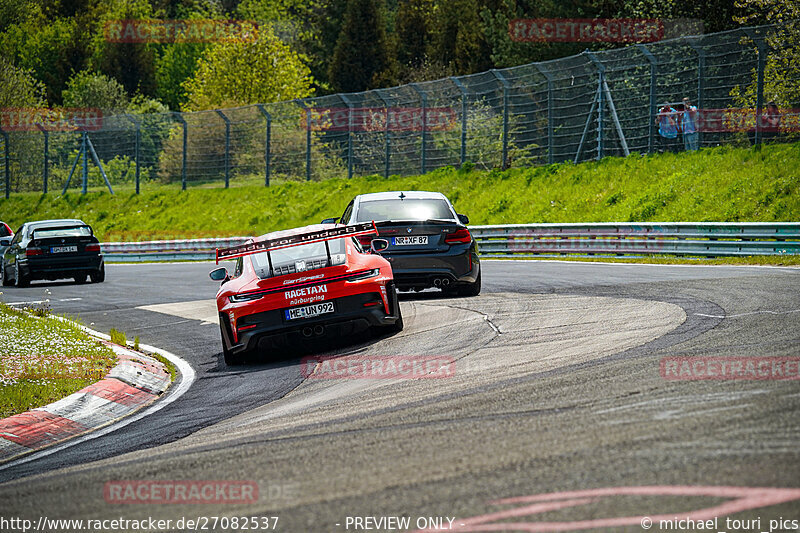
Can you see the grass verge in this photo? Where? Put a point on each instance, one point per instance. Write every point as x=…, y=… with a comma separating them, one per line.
x=43, y=359
x=719, y=184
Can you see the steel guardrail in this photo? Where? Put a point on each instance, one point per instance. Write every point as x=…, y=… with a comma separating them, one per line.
x=705, y=239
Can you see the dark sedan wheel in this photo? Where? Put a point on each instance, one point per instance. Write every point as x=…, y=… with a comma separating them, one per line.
x=99, y=276
x=80, y=279
x=21, y=280
x=472, y=289
x=6, y=281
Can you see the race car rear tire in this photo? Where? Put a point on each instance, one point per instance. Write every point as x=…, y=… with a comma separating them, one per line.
x=231, y=359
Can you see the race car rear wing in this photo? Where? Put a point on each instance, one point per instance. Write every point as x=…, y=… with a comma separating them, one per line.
x=354, y=230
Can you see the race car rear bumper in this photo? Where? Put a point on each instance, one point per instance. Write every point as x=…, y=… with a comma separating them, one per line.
x=270, y=330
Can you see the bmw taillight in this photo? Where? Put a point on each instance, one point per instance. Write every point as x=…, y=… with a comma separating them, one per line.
x=460, y=235
x=33, y=251
x=92, y=248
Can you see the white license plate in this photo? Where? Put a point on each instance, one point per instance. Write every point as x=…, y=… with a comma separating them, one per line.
x=406, y=241
x=61, y=249
x=309, y=311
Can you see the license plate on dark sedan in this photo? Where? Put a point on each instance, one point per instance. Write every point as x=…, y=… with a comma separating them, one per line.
x=309, y=311
x=411, y=240
x=62, y=249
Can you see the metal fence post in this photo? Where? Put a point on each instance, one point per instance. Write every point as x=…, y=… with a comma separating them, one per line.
x=762, y=58
x=7, y=157
x=549, y=77
x=46, y=157
x=463, y=89
x=349, y=105
x=424, y=98
x=85, y=186
x=267, y=141
x=303, y=106
x=651, y=132
x=185, y=138
x=601, y=78
x=506, y=87
x=136, y=147
x=227, y=146
x=701, y=79
x=386, y=134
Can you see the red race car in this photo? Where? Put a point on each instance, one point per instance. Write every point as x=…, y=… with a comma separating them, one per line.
x=304, y=284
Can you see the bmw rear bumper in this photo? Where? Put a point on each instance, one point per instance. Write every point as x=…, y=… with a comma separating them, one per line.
x=459, y=266
x=60, y=267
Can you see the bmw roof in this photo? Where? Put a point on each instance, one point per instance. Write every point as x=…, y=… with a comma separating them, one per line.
x=391, y=195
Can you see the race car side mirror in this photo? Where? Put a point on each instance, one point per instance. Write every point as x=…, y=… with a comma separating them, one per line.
x=378, y=245
x=219, y=274
x=330, y=220
x=464, y=219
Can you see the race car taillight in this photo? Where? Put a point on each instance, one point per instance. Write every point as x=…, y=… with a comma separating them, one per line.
x=238, y=298
x=364, y=275
x=459, y=235
x=33, y=251
x=92, y=248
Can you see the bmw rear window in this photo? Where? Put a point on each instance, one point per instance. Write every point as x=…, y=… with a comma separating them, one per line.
x=299, y=258
x=71, y=231
x=409, y=209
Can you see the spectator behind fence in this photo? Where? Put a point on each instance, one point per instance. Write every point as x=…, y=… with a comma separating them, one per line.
x=667, y=128
x=691, y=139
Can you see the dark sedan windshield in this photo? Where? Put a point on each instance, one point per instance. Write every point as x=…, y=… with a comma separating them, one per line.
x=409, y=209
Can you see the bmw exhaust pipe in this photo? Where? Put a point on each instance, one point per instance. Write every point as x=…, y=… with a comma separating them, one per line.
x=318, y=330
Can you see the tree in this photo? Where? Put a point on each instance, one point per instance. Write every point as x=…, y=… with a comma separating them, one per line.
x=90, y=89
x=782, y=69
x=458, y=38
x=133, y=64
x=176, y=64
x=239, y=73
x=18, y=87
x=413, y=31
x=361, y=56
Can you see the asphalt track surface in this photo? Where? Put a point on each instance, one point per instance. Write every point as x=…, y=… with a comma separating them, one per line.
x=557, y=389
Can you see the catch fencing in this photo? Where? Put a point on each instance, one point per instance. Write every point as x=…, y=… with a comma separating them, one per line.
x=703, y=239
x=577, y=108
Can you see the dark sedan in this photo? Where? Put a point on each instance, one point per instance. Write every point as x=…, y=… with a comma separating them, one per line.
x=429, y=243
x=5, y=237
x=53, y=249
